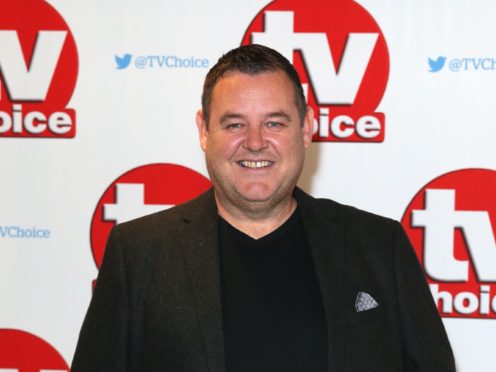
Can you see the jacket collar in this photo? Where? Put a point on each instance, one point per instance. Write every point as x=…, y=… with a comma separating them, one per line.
x=201, y=252
x=327, y=245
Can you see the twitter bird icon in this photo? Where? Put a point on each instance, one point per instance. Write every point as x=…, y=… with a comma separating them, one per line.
x=123, y=62
x=437, y=65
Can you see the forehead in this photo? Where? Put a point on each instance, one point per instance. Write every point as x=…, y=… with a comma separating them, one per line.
x=238, y=88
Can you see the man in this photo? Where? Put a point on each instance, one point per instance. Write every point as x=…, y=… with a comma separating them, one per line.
x=256, y=275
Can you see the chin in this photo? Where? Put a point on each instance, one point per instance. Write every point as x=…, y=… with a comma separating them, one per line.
x=256, y=193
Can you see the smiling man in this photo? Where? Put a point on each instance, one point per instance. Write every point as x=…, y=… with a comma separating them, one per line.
x=256, y=275
x=254, y=139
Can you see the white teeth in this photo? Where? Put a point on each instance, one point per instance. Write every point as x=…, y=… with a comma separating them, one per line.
x=254, y=164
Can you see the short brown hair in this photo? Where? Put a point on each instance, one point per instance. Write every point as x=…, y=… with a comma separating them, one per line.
x=252, y=59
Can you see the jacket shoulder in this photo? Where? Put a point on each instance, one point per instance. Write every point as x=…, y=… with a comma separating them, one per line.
x=168, y=222
x=341, y=214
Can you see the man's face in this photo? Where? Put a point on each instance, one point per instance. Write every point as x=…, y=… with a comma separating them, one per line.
x=255, y=141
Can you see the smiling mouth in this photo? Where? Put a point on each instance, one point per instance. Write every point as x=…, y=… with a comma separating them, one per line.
x=255, y=164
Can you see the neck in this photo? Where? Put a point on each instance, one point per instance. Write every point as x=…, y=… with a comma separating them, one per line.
x=257, y=223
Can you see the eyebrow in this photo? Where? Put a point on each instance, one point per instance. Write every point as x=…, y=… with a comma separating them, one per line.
x=271, y=115
x=278, y=114
x=230, y=115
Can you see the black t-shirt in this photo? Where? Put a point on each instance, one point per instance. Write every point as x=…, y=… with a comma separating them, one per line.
x=274, y=318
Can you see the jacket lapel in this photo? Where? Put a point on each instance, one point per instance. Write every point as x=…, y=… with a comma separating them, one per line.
x=327, y=245
x=201, y=254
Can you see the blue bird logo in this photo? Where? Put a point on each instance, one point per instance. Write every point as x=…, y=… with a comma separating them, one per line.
x=437, y=65
x=123, y=62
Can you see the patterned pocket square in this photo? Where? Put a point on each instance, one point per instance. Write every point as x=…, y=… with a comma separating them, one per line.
x=364, y=302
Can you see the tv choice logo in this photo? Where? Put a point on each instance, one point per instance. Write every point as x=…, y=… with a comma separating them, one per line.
x=451, y=223
x=38, y=71
x=341, y=56
x=159, y=61
x=19, y=232
x=462, y=64
x=140, y=191
x=21, y=351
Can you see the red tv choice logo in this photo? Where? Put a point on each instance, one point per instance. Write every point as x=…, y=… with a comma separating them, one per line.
x=24, y=352
x=341, y=56
x=38, y=71
x=143, y=190
x=451, y=223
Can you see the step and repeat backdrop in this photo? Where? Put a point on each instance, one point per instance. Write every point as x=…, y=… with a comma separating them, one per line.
x=97, y=106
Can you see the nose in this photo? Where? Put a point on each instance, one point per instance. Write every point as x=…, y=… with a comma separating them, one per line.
x=254, y=140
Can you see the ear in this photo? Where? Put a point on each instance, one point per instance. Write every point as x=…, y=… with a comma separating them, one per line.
x=202, y=129
x=308, y=127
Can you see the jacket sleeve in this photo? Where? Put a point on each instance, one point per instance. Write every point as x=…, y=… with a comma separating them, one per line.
x=425, y=341
x=102, y=344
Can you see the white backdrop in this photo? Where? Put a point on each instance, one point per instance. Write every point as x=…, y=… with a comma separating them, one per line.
x=130, y=117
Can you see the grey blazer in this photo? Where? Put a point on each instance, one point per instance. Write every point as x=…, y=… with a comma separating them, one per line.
x=157, y=301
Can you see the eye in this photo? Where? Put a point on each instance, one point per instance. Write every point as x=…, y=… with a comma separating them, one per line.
x=234, y=126
x=274, y=124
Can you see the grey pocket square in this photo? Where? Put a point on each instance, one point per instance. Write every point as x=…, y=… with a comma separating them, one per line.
x=364, y=302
